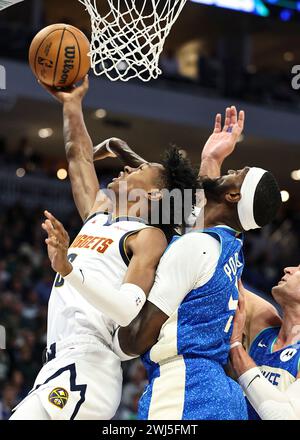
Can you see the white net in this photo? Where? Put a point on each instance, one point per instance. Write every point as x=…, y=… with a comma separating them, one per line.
x=128, y=36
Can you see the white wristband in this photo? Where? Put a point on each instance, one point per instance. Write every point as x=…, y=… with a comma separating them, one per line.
x=235, y=344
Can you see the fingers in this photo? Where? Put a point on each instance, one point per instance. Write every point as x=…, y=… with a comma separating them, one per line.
x=233, y=115
x=55, y=229
x=86, y=82
x=48, y=227
x=233, y=120
x=227, y=119
x=55, y=223
x=53, y=242
x=218, y=123
x=241, y=120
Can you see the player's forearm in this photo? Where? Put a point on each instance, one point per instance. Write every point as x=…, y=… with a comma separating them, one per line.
x=269, y=402
x=210, y=167
x=78, y=143
x=121, y=305
x=240, y=360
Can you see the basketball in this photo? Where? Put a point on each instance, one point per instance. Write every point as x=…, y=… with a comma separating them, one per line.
x=58, y=55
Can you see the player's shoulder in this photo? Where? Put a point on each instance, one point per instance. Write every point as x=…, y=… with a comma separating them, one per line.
x=99, y=217
x=148, y=238
x=194, y=248
x=151, y=232
x=199, y=239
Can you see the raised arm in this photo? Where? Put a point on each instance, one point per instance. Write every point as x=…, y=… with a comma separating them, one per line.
x=79, y=147
x=222, y=142
x=81, y=154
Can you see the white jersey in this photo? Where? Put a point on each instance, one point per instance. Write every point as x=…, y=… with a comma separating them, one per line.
x=100, y=247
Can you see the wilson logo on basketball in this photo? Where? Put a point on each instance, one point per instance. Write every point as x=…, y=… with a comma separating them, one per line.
x=70, y=54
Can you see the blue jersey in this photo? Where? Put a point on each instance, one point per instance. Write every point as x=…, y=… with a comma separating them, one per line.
x=280, y=367
x=202, y=328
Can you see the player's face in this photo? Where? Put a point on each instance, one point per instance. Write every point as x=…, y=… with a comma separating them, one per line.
x=289, y=285
x=146, y=177
x=232, y=181
x=233, y=178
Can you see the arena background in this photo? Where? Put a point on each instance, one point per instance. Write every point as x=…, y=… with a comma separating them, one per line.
x=214, y=57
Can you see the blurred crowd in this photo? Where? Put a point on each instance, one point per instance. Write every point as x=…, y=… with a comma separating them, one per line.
x=26, y=279
x=190, y=68
x=209, y=73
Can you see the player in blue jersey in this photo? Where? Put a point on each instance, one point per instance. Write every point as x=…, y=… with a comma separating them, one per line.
x=270, y=373
x=184, y=329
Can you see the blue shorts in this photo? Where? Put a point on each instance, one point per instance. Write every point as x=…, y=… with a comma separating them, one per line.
x=191, y=389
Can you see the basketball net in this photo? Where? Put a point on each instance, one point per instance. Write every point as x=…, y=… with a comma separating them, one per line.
x=128, y=36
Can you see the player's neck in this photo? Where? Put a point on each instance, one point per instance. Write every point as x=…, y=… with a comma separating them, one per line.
x=126, y=211
x=290, y=329
x=216, y=215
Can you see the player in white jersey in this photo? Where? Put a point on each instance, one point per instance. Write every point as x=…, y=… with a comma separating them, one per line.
x=82, y=377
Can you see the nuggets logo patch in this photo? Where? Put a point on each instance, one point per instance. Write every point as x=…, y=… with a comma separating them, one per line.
x=59, y=397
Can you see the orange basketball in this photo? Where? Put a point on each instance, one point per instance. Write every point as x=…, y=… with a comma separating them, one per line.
x=58, y=55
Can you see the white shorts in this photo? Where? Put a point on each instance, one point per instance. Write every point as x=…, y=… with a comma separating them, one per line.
x=83, y=382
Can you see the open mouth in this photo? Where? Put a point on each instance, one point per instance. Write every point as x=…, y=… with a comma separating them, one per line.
x=282, y=281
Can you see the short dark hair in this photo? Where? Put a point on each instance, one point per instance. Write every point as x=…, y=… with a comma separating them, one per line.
x=267, y=200
x=178, y=174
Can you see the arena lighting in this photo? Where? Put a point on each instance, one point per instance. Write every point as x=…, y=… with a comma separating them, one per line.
x=288, y=56
x=258, y=7
x=286, y=15
x=20, y=172
x=295, y=175
x=62, y=174
x=44, y=133
x=285, y=195
x=101, y=113
x=251, y=6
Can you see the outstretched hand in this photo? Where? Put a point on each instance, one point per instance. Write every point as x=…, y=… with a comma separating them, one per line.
x=223, y=140
x=70, y=94
x=57, y=244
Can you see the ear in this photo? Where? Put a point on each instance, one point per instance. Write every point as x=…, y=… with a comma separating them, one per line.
x=155, y=195
x=233, y=197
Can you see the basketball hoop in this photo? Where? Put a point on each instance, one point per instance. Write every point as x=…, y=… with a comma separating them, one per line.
x=128, y=36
